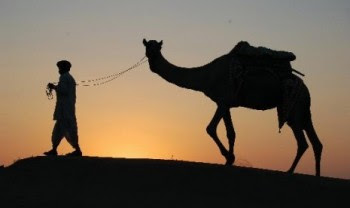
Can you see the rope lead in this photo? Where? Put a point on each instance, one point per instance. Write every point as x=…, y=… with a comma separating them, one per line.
x=97, y=82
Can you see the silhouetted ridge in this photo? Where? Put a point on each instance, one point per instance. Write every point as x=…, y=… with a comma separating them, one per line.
x=93, y=181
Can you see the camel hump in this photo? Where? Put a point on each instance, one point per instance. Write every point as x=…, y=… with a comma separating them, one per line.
x=243, y=48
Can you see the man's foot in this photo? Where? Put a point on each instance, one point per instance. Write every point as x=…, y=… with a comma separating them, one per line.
x=52, y=152
x=76, y=153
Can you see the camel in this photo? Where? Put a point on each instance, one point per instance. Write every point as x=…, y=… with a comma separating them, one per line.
x=259, y=91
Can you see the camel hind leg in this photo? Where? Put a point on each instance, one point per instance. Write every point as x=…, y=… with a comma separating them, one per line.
x=315, y=142
x=302, y=146
x=300, y=120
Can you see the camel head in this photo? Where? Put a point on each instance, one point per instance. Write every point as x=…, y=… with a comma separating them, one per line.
x=152, y=48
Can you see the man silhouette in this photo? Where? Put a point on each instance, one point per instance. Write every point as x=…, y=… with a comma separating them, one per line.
x=66, y=123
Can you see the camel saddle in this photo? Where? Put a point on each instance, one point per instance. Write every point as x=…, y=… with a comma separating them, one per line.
x=249, y=59
x=257, y=58
x=244, y=49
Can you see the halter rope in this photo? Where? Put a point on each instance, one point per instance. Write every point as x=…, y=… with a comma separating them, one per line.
x=101, y=80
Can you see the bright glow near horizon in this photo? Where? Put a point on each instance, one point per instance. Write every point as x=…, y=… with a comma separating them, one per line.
x=141, y=115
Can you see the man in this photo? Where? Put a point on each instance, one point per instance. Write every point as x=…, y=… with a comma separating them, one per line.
x=66, y=123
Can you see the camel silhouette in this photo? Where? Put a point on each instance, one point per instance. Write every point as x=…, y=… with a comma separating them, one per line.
x=254, y=89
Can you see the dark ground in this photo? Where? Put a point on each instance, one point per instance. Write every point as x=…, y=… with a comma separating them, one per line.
x=115, y=182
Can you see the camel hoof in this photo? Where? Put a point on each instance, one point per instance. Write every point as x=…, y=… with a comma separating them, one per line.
x=228, y=164
x=230, y=159
x=290, y=171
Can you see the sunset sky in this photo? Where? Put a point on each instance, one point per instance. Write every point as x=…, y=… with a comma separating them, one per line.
x=140, y=115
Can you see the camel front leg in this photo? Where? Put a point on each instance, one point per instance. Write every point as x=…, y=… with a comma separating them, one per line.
x=231, y=136
x=211, y=130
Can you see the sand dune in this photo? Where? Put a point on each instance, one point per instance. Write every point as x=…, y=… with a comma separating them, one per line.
x=118, y=182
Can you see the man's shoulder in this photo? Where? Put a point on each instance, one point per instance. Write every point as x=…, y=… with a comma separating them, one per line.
x=66, y=77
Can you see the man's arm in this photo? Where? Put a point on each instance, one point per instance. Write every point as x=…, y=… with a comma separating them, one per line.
x=61, y=87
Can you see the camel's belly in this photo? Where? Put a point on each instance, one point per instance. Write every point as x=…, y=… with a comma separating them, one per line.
x=260, y=93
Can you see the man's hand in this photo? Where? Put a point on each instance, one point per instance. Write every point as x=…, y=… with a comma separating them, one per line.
x=51, y=86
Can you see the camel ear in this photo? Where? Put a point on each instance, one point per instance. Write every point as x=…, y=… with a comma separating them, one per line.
x=144, y=42
x=161, y=43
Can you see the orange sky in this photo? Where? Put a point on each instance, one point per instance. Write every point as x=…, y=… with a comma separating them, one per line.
x=141, y=115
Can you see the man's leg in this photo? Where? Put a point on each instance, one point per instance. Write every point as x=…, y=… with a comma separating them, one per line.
x=57, y=136
x=71, y=134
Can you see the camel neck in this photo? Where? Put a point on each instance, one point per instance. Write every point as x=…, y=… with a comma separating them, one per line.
x=190, y=78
